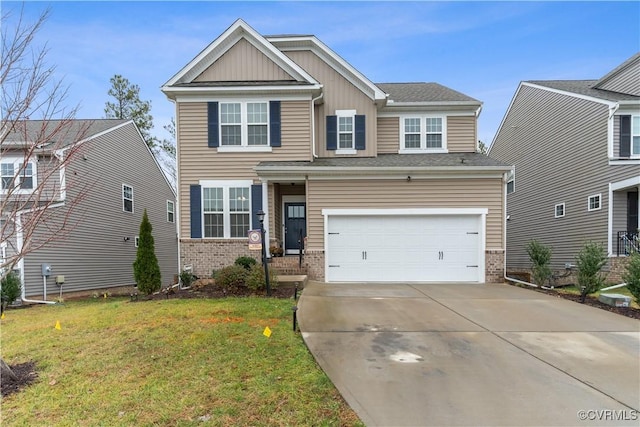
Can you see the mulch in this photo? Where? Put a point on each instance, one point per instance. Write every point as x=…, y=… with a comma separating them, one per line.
x=27, y=372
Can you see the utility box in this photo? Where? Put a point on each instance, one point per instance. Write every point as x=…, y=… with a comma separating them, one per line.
x=46, y=270
x=615, y=300
x=59, y=280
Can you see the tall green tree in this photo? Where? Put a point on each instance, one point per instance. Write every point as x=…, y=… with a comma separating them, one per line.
x=146, y=270
x=128, y=105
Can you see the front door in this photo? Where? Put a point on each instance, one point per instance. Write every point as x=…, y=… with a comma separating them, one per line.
x=632, y=211
x=295, y=226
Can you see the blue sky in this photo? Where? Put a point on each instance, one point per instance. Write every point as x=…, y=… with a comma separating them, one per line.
x=483, y=49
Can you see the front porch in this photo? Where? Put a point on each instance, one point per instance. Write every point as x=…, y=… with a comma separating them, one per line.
x=624, y=222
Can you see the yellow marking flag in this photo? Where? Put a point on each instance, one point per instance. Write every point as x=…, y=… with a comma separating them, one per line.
x=58, y=327
x=2, y=317
x=267, y=332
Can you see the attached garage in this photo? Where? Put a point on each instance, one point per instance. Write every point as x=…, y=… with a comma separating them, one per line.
x=405, y=245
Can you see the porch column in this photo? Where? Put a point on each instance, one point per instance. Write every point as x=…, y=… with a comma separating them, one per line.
x=265, y=208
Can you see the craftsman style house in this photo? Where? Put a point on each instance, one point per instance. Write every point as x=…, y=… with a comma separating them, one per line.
x=575, y=145
x=374, y=182
x=76, y=193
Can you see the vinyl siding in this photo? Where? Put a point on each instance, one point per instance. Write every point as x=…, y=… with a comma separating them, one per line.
x=94, y=253
x=339, y=94
x=625, y=82
x=398, y=194
x=243, y=62
x=198, y=161
x=558, y=145
x=388, y=135
x=461, y=134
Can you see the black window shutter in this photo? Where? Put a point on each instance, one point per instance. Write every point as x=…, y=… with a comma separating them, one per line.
x=256, y=205
x=195, y=201
x=212, y=123
x=360, y=132
x=625, y=136
x=332, y=132
x=275, y=127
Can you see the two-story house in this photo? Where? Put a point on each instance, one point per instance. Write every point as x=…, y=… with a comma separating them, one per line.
x=575, y=145
x=381, y=182
x=93, y=179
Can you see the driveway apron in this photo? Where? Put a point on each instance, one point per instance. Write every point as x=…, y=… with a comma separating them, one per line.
x=469, y=354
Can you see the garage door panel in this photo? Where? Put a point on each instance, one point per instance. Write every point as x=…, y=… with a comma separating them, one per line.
x=403, y=248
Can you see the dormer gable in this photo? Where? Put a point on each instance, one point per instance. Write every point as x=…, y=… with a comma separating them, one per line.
x=623, y=79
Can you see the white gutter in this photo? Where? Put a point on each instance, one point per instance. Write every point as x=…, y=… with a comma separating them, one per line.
x=313, y=126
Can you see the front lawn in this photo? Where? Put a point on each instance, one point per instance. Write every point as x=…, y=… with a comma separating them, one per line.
x=172, y=362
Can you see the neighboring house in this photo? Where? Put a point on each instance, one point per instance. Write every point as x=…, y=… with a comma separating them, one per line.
x=381, y=181
x=101, y=194
x=575, y=145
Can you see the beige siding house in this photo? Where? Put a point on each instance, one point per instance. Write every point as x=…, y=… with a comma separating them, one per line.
x=371, y=182
x=575, y=145
x=100, y=192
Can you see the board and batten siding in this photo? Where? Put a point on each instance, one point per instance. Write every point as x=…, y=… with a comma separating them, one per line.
x=94, y=254
x=339, y=94
x=400, y=194
x=198, y=161
x=243, y=62
x=558, y=144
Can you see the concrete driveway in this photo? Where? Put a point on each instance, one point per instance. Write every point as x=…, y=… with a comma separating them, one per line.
x=465, y=354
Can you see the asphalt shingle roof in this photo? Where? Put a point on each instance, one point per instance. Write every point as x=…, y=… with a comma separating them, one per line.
x=423, y=92
x=584, y=87
x=40, y=131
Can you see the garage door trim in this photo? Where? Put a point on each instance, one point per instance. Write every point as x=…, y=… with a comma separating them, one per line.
x=478, y=212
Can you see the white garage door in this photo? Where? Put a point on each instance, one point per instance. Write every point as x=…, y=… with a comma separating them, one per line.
x=414, y=248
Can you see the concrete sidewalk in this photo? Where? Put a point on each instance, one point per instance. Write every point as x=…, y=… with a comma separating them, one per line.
x=468, y=354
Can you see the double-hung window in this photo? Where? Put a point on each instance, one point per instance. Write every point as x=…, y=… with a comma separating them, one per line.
x=346, y=136
x=17, y=176
x=423, y=134
x=226, y=208
x=127, y=198
x=635, y=135
x=244, y=124
x=171, y=211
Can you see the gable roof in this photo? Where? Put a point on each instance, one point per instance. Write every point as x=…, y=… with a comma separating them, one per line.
x=400, y=93
x=585, y=88
x=631, y=66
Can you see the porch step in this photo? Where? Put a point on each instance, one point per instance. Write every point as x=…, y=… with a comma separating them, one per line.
x=287, y=266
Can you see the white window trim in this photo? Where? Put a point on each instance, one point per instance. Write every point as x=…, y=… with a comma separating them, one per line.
x=564, y=210
x=511, y=177
x=173, y=211
x=634, y=117
x=226, y=214
x=16, y=161
x=350, y=114
x=599, y=196
x=244, y=127
x=136, y=241
x=423, y=134
x=133, y=207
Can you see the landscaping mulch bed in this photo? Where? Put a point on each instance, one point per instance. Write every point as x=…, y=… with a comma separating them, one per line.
x=26, y=374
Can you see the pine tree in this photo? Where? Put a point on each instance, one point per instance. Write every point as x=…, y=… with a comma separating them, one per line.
x=146, y=270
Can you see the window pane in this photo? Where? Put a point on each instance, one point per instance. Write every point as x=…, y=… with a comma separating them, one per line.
x=412, y=141
x=433, y=124
x=128, y=205
x=230, y=113
x=212, y=199
x=412, y=125
x=127, y=192
x=28, y=169
x=345, y=124
x=26, y=183
x=346, y=141
x=239, y=199
x=239, y=225
x=7, y=182
x=231, y=135
x=7, y=169
x=636, y=145
x=434, y=141
x=636, y=125
x=257, y=113
x=213, y=226
x=257, y=135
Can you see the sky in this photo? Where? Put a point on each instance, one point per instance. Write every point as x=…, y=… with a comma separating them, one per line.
x=482, y=49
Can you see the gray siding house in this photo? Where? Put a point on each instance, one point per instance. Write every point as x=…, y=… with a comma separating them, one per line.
x=101, y=194
x=372, y=181
x=575, y=145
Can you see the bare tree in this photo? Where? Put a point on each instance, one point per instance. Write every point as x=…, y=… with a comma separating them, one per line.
x=36, y=196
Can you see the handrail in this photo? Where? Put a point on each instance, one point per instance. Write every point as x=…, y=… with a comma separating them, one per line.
x=300, y=248
x=628, y=243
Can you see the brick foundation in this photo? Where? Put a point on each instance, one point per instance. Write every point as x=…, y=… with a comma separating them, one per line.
x=314, y=263
x=612, y=271
x=208, y=255
x=494, y=266
x=617, y=267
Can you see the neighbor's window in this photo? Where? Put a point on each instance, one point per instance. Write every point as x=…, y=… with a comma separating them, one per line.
x=227, y=209
x=244, y=124
x=594, y=202
x=17, y=175
x=170, y=211
x=635, y=136
x=127, y=198
x=136, y=241
x=511, y=182
x=559, y=210
x=423, y=133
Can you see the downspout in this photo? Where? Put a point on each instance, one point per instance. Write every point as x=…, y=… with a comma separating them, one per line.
x=313, y=125
x=19, y=241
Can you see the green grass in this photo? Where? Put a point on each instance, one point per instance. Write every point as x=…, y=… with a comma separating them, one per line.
x=171, y=362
